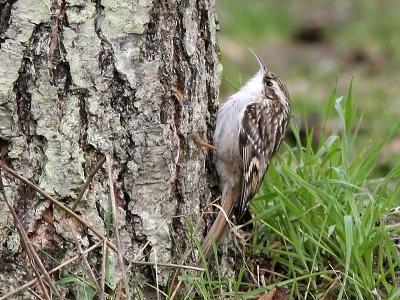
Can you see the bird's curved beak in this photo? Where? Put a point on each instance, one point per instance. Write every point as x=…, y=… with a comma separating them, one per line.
x=263, y=67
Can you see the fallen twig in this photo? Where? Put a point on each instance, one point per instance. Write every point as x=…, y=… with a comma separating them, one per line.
x=33, y=281
x=37, y=264
x=95, y=231
x=116, y=227
x=87, y=183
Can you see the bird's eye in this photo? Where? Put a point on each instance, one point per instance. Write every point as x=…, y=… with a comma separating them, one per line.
x=269, y=83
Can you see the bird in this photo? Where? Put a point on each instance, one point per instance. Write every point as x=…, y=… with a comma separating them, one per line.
x=249, y=130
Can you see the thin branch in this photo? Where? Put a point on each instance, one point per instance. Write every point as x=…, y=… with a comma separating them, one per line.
x=175, y=277
x=156, y=273
x=33, y=281
x=85, y=263
x=103, y=268
x=81, y=220
x=87, y=183
x=37, y=264
x=116, y=227
x=35, y=294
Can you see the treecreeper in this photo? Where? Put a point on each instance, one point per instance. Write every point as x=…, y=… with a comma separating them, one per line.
x=249, y=130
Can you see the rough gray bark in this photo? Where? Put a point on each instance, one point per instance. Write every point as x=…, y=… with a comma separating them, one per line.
x=80, y=79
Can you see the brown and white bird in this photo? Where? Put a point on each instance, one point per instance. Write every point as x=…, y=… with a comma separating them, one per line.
x=250, y=128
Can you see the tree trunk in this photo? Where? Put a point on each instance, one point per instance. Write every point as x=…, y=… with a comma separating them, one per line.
x=83, y=79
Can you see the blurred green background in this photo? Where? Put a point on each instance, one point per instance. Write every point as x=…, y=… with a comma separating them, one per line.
x=315, y=46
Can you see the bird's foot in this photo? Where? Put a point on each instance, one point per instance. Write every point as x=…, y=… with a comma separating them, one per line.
x=202, y=143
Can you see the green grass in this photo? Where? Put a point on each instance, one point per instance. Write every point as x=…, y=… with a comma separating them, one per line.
x=330, y=215
x=323, y=221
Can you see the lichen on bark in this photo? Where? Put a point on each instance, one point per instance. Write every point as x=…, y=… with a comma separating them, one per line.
x=131, y=79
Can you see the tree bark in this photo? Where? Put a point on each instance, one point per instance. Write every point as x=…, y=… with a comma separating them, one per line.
x=83, y=79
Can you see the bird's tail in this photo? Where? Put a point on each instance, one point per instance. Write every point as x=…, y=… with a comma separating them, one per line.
x=220, y=225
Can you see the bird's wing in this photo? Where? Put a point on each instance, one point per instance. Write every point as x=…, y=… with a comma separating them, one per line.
x=257, y=144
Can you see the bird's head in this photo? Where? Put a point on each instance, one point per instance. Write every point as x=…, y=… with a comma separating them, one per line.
x=272, y=87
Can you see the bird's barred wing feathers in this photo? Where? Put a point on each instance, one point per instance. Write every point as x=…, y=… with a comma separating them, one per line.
x=258, y=142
